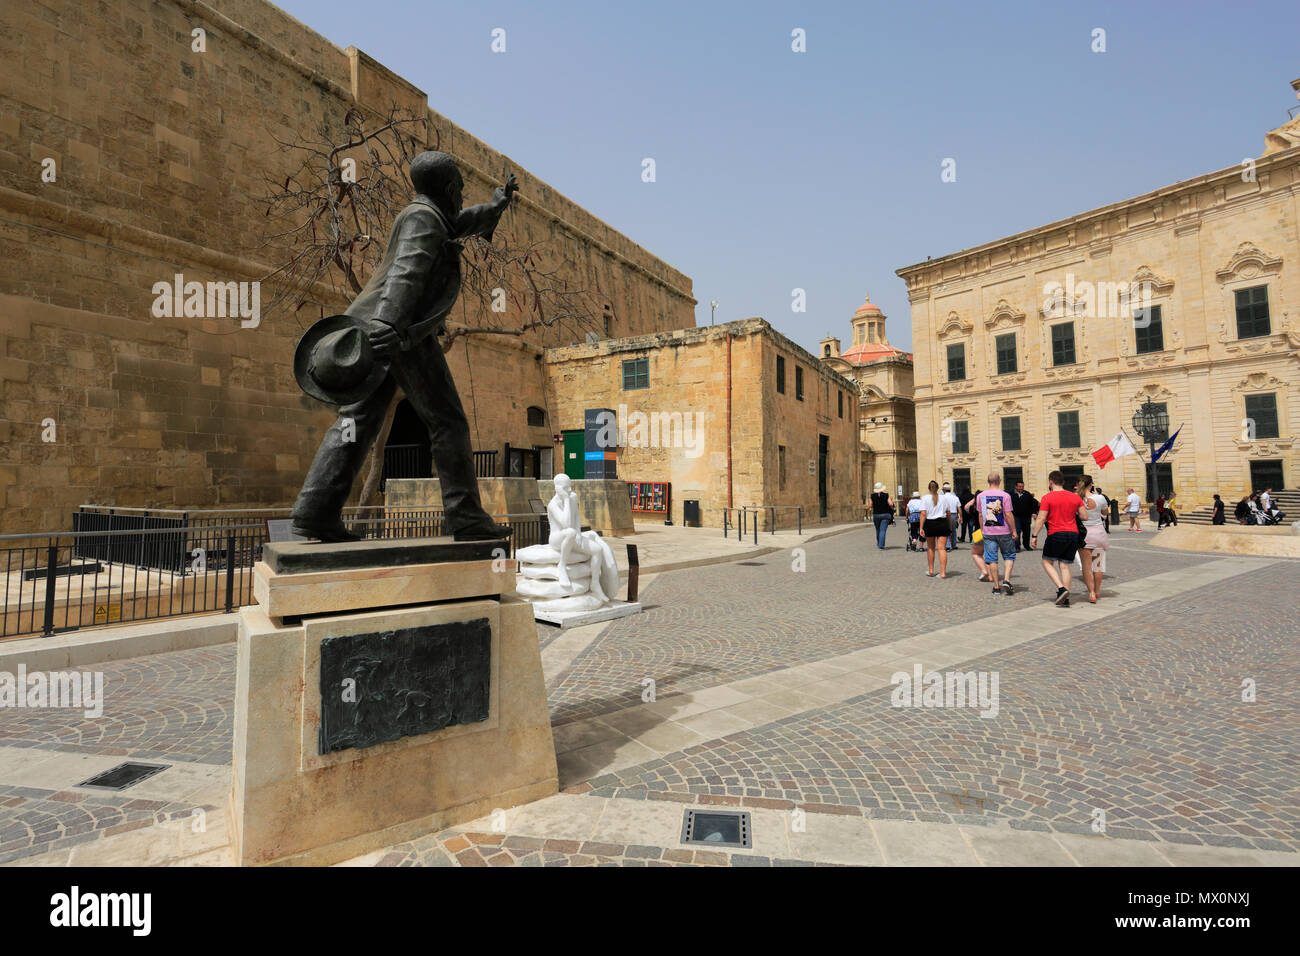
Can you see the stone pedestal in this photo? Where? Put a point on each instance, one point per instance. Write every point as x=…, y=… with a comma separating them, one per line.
x=360, y=723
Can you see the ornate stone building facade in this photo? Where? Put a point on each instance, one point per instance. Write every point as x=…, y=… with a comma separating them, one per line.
x=886, y=416
x=1034, y=350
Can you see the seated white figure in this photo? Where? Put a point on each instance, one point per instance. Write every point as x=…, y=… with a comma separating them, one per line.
x=567, y=537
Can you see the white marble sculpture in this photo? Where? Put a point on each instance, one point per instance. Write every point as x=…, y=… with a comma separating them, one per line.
x=573, y=571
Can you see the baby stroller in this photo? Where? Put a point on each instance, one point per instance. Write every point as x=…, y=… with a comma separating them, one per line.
x=1264, y=517
x=915, y=540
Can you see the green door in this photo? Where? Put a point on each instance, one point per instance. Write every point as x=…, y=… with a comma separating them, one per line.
x=575, y=459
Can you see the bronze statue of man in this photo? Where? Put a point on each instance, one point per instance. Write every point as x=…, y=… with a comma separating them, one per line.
x=387, y=339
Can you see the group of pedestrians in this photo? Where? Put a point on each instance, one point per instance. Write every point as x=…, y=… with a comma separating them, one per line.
x=1256, y=508
x=1075, y=519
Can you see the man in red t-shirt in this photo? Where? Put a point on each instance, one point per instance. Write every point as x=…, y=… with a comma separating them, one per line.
x=1061, y=511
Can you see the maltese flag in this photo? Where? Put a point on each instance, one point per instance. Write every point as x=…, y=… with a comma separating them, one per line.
x=1117, y=447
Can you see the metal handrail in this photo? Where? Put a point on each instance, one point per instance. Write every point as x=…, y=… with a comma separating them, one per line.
x=203, y=568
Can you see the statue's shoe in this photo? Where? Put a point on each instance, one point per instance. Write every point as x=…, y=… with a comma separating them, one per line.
x=331, y=533
x=483, y=531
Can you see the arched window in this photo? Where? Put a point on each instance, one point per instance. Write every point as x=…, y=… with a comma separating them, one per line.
x=536, y=417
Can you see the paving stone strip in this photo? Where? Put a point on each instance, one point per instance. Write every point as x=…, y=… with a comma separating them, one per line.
x=634, y=735
x=618, y=832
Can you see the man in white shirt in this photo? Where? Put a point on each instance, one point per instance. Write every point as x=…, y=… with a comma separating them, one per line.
x=953, y=505
x=1134, y=511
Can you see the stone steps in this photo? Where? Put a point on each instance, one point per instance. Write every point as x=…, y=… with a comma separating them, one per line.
x=1285, y=501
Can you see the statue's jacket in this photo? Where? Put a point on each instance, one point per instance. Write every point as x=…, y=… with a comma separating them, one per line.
x=418, y=280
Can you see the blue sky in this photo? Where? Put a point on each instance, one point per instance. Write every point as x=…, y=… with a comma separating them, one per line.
x=820, y=170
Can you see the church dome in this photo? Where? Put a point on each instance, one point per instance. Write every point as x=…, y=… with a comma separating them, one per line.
x=867, y=309
x=869, y=342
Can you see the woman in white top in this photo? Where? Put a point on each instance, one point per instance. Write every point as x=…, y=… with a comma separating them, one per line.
x=935, y=508
x=1092, y=550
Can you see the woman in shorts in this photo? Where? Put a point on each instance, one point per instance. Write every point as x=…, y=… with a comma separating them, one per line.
x=934, y=510
x=1092, y=550
x=970, y=515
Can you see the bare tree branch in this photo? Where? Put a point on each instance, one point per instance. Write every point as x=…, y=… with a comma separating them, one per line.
x=328, y=220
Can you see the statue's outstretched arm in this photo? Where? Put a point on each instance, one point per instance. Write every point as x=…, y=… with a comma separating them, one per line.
x=481, y=220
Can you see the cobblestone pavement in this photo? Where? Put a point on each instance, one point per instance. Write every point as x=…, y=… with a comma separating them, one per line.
x=176, y=706
x=36, y=821
x=461, y=848
x=1139, y=716
x=709, y=626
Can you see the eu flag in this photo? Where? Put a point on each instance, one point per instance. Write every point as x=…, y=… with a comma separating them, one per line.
x=1169, y=443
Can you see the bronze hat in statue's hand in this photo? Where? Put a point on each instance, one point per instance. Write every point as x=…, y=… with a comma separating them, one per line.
x=335, y=363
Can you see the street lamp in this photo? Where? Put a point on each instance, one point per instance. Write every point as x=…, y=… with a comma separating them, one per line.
x=713, y=307
x=1151, y=421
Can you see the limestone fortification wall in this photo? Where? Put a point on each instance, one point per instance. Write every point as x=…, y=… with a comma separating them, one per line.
x=160, y=153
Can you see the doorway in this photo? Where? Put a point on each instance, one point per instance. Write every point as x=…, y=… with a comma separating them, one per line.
x=1266, y=473
x=575, y=454
x=823, y=443
x=1163, y=474
x=407, y=453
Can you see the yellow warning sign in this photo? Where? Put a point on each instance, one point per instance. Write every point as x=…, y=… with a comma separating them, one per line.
x=107, y=613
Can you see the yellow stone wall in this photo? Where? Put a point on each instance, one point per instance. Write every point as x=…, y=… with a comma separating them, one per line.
x=1195, y=243
x=688, y=374
x=159, y=152
x=889, y=441
x=886, y=418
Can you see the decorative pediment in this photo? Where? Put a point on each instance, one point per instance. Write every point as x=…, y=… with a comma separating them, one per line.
x=1152, y=393
x=1258, y=382
x=1008, y=408
x=1003, y=315
x=954, y=324
x=1151, y=282
x=1067, y=454
x=957, y=412
x=1060, y=304
x=1249, y=262
x=1067, y=400
x=1011, y=457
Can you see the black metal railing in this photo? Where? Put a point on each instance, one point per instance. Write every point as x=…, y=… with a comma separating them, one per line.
x=406, y=461
x=126, y=571
x=51, y=586
x=485, y=464
x=745, y=519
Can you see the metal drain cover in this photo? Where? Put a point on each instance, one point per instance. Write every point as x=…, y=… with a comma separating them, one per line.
x=123, y=775
x=717, y=828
